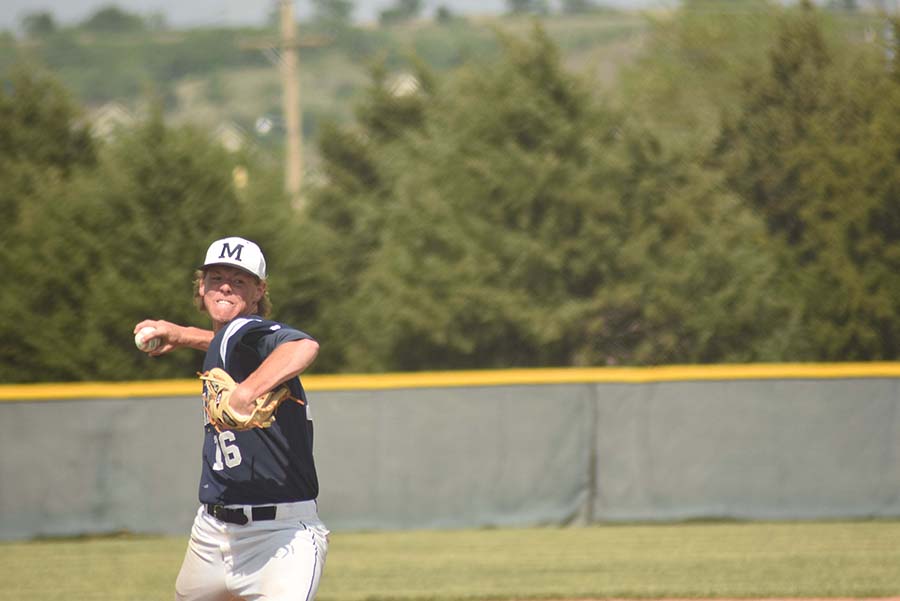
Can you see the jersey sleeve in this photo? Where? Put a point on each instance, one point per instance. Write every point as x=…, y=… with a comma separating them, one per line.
x=274, y=335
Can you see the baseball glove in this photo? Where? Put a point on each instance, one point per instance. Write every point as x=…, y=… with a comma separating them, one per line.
x=217, y=389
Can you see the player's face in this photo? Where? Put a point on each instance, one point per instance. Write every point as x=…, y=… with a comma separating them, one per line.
x=229, y=292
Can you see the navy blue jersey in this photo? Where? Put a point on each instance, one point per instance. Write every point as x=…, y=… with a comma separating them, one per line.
x=260, y=466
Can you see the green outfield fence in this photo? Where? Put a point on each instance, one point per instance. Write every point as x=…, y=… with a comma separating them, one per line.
x=480, y=448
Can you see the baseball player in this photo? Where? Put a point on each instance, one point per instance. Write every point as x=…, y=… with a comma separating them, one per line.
x=257, y=535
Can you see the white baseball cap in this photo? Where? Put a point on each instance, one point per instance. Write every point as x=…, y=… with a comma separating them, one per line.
x=238, y=252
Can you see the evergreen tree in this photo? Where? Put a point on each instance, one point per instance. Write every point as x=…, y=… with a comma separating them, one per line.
x=346, y=215
x=402, y=10
x=577, y=7
x=775, y=139
x=693, y=71
x=814, y=151
x=113, y=245
x=523, y=7
x=523, y=225
x=43, y=144
x=39, y=24
x=333, y=15
x=40, y=124
x=112, y=19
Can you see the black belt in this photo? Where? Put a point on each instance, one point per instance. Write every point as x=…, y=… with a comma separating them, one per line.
x=236, y=515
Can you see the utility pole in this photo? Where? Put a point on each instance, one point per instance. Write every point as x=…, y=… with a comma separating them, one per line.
x=288, y=65
x=290, y=82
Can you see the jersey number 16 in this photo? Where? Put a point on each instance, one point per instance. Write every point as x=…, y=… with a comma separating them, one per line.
x=227, y=450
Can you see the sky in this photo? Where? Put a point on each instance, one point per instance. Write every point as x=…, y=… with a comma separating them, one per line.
x=189, y=13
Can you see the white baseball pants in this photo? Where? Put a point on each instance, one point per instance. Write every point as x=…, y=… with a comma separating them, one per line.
x=273, y=560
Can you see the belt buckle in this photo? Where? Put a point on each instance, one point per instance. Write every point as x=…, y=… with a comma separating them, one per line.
x=233, y=516
x=238, y=516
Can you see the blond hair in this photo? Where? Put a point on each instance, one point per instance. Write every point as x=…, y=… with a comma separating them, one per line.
x=263, y=307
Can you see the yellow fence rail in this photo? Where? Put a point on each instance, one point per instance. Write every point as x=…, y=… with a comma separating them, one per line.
x=446, y=379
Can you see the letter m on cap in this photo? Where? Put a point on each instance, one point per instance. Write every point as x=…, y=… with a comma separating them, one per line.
x=232, y=254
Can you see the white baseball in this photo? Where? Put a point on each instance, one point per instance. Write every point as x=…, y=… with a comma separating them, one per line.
x=148, y=346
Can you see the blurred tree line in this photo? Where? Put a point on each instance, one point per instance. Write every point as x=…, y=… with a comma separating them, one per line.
x=736, y=200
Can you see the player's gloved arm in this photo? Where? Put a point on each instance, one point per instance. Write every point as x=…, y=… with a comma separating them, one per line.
x=287, y=361
x=173, y=336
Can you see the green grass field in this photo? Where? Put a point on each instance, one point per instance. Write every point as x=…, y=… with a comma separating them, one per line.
x=736, y=560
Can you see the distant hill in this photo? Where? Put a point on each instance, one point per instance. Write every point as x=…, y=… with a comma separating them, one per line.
x=240, y=13
x=212, y=77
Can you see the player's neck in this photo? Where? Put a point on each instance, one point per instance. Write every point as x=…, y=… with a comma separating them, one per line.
x=218, y=325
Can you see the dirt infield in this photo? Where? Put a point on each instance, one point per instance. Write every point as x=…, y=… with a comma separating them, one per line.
x=739, y=599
